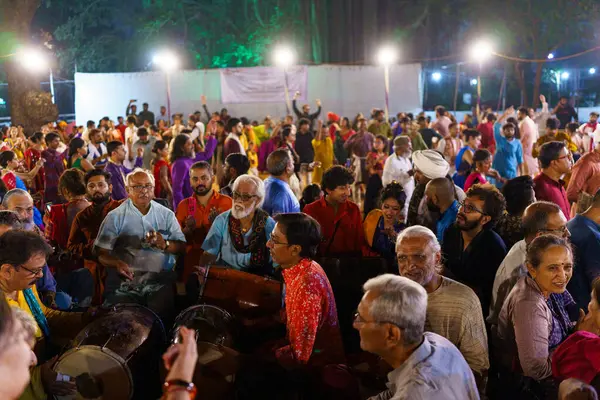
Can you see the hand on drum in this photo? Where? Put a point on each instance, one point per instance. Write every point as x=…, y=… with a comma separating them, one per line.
x=124, y=271
x=156, y=240
x=180, y=359
x=51, y=385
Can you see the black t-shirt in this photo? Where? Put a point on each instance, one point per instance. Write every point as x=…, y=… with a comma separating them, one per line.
x=476, y=266
x=428, y=134
x=304, y=147
x=565, y=115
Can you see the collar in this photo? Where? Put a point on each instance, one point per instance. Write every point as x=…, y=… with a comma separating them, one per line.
x=134, y=209
x=341, y=208
x=297, y=269
x=560, y=183
x=420, y=353
x=453, y=207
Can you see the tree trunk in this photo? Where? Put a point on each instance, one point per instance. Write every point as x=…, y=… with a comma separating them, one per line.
x=536, y=85
x=29, y=106
x=520, y=74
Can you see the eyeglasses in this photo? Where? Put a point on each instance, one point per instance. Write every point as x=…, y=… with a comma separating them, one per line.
x=361, y=321
x=243, y=196
x=418, y=259
x=276, y=242
x=568, y=156
x=32, y=272
x=562, y=231
x=469, y=208
x=142, y=188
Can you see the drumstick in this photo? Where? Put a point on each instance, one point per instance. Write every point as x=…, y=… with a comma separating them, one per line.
x=201, y=292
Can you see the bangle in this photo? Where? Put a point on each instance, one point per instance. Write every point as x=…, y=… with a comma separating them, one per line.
x=178, y=385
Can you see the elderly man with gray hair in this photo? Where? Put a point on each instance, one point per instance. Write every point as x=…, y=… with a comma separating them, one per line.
x=453, y=309
x=137, y=243
x=279, y=197
x=238, y=237
x=391, y=322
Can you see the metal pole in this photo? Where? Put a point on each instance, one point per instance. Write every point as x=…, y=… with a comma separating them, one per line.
x=52, y=85
x=386, y=78
x=286, y=90
x=168, y=93
x=456, y=88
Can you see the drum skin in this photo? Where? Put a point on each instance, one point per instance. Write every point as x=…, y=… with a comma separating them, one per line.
x=218, y=362
x=113, y=357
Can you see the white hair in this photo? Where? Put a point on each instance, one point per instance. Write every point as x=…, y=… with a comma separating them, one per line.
x=400, y=301
x=14, y=192
x=256, y=181
x=139, y=171
x=418, y=231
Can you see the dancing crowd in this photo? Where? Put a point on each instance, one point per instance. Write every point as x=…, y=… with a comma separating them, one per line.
x=486, y=234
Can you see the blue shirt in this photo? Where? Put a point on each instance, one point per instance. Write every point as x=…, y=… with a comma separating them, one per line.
x=509, y=154
x=219, y=243
x=446, y=219
x=279, y=198
x=585, y=237
x=124, y=229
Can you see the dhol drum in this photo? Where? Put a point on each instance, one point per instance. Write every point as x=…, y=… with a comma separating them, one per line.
x=240, y=293
x=117, y=357
x=218, y=362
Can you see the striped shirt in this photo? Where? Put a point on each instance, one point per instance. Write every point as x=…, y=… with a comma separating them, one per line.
x=454, y=312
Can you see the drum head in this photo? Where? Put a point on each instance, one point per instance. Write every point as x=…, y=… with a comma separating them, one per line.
x=99, y=374
x=212, y=324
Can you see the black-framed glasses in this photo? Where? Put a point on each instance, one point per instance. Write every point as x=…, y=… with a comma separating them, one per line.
x=32, y=272
x=141, y=188
x=469, y=208
x=361, y=321
x=243, y=196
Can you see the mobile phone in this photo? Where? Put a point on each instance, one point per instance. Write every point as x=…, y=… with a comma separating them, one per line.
x=348, y=163
x=48, y=206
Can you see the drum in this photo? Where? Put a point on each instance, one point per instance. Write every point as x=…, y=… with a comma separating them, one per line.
x=117, y=356
x=218, y=362
x=241, y=293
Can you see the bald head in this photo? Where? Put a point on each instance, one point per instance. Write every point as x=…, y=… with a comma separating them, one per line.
x=543, y=217
x=440, y=192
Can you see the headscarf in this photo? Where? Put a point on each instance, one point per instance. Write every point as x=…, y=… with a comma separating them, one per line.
x=431, y=163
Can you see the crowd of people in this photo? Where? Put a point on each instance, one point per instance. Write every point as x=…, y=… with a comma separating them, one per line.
x=488, y=231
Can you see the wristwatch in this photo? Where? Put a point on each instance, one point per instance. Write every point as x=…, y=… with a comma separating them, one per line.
x=167, y=244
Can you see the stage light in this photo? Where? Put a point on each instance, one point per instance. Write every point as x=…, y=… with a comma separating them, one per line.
x=592, y=71
x=474, y=82
x=32, y=59
x=284, y=56
x=564, y=75
x=550, y=56
x=166, y=60
x=481, y=51
x=436, y=76
x=387, y=56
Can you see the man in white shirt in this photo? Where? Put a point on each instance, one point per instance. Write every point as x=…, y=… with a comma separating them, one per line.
x=97, y=153
x=587, y=131
x=540, y=218
x=397, y=168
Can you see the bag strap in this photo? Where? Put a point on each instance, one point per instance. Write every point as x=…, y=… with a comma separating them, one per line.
x=337, y=225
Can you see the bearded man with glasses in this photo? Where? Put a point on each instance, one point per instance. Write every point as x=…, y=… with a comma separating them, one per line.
x=238, y=237
x=472, y=251
x=137, y=243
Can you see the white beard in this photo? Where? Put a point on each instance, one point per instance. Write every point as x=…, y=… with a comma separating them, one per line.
x=238, y=211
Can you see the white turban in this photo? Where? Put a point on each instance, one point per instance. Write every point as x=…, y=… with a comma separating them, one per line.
x=431, y=163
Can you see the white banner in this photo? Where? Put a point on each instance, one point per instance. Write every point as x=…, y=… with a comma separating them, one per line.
x=262, y=84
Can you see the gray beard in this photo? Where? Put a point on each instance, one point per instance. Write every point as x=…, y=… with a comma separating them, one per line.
x=242, y=214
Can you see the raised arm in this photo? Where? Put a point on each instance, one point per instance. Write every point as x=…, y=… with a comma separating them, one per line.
x=294, y=107
x=316, y=113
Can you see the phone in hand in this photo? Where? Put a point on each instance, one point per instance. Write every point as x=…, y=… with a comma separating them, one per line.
x=48, y=207
x=348, y=163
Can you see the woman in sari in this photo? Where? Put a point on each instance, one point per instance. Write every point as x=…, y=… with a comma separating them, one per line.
x=323, y=147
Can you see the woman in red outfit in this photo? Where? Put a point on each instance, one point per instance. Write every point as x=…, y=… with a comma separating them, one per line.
x=162, y=171
x=579, y=355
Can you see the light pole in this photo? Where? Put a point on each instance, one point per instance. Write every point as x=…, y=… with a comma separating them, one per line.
x=387, y=56
x=480, y=52
x=35, y=61
x=168, y=62
x=285, y=57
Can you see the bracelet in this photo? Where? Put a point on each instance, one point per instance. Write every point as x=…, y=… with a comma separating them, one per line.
x=178, y=385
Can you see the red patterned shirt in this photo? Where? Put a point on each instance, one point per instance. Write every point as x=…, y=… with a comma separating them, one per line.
x=310, y=315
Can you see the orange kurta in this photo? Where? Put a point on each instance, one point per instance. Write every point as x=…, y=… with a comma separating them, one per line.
x=204, y=217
